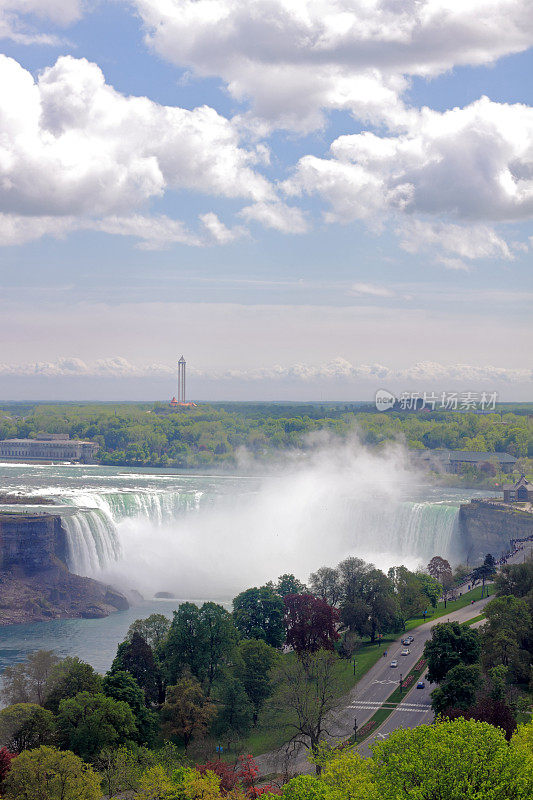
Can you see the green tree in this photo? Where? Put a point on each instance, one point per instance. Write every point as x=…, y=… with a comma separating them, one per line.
x=258, y=614
x=485, y=572
x=49, y=774
x=122, y=686
x=256, y=662
x=409, y=592
x=458, y=689
x=155, y=784
x=450, y=644
x=136, y=657
x=430, y=587
x=26, y=682
x=187, y=712
x=288, y=584
x=69, y=677
x=506, y=637
x=326, y=583
x=153, y=629
x=306, y=693
x=121, y=768
x=88, y=722
x=236, y=712
x=25, y=725
x=459, y=760
x=516, y=579
x=370, y=604
x=440, y=570
x=201, y=640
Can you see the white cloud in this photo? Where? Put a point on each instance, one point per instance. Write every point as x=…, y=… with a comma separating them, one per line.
x=152, y=232
x=369, y=289
x=276, y=215
x=295, y=59
x=75, y=149
x=338, y=369
x=474, y=165
x=217, y=231
x=470, y=242
x=15, y=25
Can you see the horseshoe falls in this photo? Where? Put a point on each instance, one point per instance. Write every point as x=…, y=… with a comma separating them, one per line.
x=175, y=542
x=211, y=536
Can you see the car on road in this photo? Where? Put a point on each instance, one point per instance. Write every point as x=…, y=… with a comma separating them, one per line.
x=405, y=651
x=409, y=640
x=394, y=663
x=421, y=685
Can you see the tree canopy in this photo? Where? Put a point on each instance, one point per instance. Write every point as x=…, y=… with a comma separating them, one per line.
x=450, y=644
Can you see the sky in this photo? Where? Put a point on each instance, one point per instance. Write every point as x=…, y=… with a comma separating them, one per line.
x=308, y=199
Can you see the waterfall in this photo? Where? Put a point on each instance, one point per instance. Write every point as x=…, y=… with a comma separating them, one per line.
x=92, y=541
x=427, y=529
x=165, y=539
x=93, y=525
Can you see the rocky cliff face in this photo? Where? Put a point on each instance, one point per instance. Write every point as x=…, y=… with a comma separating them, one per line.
x=486, y=527
x=35, y=584
x=30, y=543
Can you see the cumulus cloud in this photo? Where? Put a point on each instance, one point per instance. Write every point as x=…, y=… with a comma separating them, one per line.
x=338, y=369
x=112, y=367
x=15, y=18
x=472, y=164
x=75, y=149
x=294, y=60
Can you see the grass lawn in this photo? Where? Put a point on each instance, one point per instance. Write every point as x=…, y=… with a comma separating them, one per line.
x=452, y=605
x=269, y=735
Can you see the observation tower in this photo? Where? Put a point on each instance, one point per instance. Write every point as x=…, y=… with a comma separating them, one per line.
x=180, y=400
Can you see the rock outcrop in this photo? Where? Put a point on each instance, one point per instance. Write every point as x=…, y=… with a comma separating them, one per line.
x=35, y=583
x=487, y=526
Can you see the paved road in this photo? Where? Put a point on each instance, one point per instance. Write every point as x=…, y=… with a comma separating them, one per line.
x=369, y=693
x=414, y=710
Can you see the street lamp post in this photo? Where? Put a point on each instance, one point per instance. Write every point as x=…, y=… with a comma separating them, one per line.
x=354, y=666
x=355, y=728
x=401, y=682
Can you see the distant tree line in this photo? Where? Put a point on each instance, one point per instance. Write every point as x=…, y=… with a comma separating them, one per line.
x=152, y=435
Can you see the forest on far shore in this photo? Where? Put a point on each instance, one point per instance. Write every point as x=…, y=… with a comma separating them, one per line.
x=152, y=434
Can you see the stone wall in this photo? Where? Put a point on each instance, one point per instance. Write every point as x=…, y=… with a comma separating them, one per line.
x=486, y=527
x=30, y=543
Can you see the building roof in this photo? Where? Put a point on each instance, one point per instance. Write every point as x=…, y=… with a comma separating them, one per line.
x=522, y=481
x=60, y=442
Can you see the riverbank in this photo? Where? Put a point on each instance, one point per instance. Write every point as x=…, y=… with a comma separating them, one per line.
x=55, y=594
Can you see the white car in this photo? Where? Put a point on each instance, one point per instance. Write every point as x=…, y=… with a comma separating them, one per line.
x=394, y=663
x=406, y=652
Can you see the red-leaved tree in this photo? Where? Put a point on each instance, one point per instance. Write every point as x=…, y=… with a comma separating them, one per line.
x=227, y=774
x=6, y=757
x=311, y=623
x=495, y=712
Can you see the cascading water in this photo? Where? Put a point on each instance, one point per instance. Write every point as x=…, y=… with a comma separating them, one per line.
x=211, y=536
x=93, y=539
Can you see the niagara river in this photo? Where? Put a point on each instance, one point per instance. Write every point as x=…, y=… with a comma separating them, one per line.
x=199, y=537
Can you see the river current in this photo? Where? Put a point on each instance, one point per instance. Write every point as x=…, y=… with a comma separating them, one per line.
x=199, y=536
